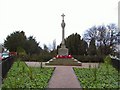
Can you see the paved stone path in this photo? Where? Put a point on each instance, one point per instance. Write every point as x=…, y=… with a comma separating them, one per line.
x=64, y=77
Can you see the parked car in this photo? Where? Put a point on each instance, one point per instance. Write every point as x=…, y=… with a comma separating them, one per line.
x=5, y=55
x=13, y=53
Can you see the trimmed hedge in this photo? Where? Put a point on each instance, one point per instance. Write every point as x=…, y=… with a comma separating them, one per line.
x=47, y=57
x=89, y=58
x=38, y=58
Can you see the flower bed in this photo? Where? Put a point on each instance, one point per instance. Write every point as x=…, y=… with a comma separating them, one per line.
x=22, y=76
x=103, y=77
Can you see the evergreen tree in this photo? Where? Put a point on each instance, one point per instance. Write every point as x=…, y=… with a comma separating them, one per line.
x=18, y=39
x=75, y=45
x=15, y=40
x=92, y=47
x=31, y=46
x=83, y=47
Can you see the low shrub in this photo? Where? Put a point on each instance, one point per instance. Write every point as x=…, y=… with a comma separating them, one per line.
x=89, y=58
x=46, y=58
x=107, y=60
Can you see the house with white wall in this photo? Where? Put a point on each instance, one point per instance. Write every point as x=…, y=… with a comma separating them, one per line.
x=1, y=48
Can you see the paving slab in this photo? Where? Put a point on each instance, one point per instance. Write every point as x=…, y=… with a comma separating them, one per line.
x=64, y=77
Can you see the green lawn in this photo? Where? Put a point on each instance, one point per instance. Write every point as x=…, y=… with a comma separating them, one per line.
x=22, y=76
x=103, y=77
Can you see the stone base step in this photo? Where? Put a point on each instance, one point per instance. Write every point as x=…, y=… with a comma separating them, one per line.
x=64, y=62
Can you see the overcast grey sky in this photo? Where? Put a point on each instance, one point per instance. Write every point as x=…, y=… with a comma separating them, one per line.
x=42, y=18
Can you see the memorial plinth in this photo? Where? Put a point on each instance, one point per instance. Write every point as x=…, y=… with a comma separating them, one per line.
x=63, y=51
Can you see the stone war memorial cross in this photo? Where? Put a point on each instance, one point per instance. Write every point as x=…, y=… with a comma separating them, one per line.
x=63, y=50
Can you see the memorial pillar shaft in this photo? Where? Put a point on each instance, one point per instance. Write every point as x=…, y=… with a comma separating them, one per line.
x=63, y=32
x=63, y=50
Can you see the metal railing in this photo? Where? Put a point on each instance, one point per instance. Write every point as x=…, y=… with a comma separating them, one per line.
x=5, y=65
x=116, y=62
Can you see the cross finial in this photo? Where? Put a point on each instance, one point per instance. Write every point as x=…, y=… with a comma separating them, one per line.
x=63, y=16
